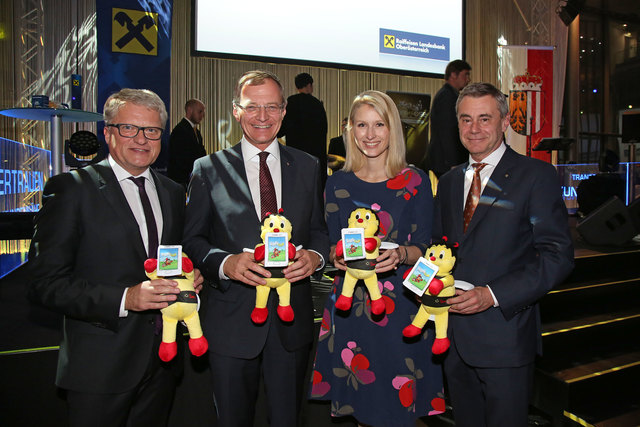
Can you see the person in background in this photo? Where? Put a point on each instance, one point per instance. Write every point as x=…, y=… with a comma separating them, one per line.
x=337, y=148
x=445, y=149
x=305, y=124
x=185, y=143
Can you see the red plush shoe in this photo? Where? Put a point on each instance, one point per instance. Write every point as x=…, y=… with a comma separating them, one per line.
x=440, y=345
x=378, y=307
x=198, y=346
x=411, y=331
x=167, y=351
x=285, y=313
x=259, y=315
x=344, y=303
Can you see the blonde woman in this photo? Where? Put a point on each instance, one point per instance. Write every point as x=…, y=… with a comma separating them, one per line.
x=363, y=364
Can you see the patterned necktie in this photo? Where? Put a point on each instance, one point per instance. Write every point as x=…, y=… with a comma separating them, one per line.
x=152, y=229
x=474, y=195
x=268, y=201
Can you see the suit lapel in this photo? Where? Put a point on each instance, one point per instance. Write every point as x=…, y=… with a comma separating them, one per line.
x=234, y=166
x=457, y=196
x=109, y=187
x=287, y=171
x=165, y=205
x=494, y=189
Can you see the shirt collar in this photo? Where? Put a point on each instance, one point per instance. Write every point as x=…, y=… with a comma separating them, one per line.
x=190, y=122
x=249, y=151
x=122, y=174
x=492, y=159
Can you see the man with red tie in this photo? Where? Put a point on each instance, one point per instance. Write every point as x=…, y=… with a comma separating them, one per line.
x=507, y=213
x=229, y=194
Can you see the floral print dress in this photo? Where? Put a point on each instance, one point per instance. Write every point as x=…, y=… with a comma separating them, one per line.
x=363, y=364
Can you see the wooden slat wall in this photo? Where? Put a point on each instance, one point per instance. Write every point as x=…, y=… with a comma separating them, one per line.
x=212, y=80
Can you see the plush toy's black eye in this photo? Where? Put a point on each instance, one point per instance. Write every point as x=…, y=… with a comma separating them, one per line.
x=271, y=224
x=282, y=224
x=431, y=254
x=368, y=216
x=358, y=216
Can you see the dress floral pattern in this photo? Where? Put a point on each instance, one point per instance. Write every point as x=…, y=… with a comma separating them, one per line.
x=363, y=364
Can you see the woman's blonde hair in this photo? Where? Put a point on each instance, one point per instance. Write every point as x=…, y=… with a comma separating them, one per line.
x=387, y=109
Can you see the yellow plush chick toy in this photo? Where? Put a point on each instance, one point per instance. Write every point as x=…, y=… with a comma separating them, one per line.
x=184, y=308
x=273, y=223
x=434, y=300
x=364, y=269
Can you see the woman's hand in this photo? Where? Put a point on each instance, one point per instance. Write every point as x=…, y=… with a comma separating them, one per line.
x=389, y=259
x=338, y=262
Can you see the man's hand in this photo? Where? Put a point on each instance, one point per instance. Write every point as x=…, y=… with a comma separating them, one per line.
x=151, y=295
x=472, y=301
x=304, y=265
x=243, y=268
x=198, y=279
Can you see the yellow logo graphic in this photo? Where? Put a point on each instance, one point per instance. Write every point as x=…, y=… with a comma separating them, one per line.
x=75, y=82
x=134, y=31
x=389, y=41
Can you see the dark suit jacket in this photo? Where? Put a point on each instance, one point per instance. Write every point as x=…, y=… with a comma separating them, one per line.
x=85, y=250
x=185, y=146
x=305, y=126
x=221, y=220
x=518, y=243
x=445, y=149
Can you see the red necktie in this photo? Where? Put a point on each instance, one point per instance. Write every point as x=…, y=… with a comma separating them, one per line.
x=152, y=229
x=268, y=201
x=474, y=195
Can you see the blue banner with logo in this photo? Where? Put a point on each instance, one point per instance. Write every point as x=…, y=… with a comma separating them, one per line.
x=134, y=51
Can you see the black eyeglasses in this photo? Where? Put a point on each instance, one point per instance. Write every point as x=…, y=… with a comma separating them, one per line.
x=131, y=131
x=271, y=109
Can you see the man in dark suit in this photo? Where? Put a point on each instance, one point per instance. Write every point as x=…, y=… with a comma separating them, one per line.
x=223, y=218
x=305, y=125
x=185, y=143
x=91, y=239
x=515, y=249
x=445, y=149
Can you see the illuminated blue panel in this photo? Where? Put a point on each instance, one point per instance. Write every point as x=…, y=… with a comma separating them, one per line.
x=24, y=170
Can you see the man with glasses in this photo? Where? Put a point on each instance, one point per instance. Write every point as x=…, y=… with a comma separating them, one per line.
x=229, y=194
x=93, y=234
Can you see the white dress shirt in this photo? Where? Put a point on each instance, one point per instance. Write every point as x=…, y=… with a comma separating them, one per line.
x=250, y=155
x=131, y=193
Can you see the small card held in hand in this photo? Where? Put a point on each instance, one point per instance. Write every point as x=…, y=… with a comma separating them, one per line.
x=353, y=243
x=169, y=260
x=420, y=276
x=276, y=250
